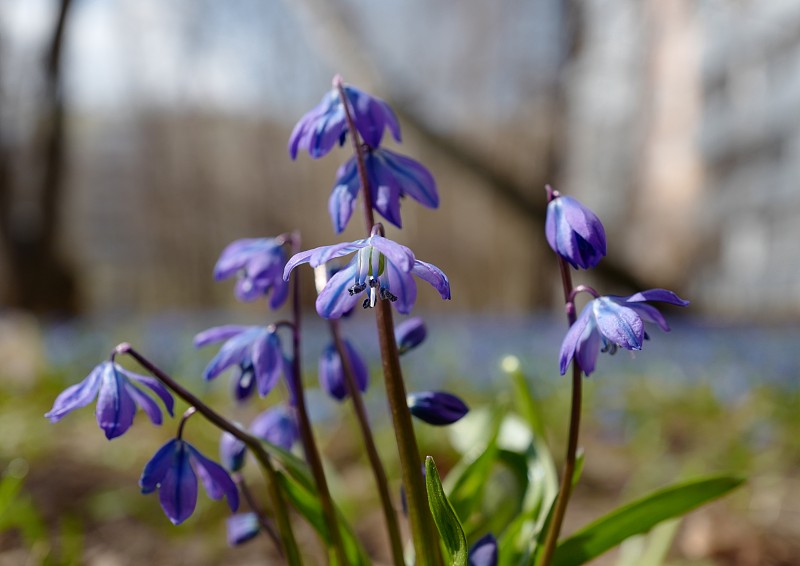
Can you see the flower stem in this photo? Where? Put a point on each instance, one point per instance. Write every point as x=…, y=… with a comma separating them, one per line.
x=378, y=471
x=254, y=507
x=423, y=531
x=278, y=504
x=565, y=490
x=306, y=434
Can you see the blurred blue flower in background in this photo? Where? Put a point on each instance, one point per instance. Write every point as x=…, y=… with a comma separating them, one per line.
x=258, y=263
x=436, y=407
x=574, y=232
x=331, y=371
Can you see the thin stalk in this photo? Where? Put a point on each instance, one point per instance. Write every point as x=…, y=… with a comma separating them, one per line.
x=389, y=513
x=423, y=531
x=252, y=443
x=565, y=490
x=306, y=434
x=255, y=508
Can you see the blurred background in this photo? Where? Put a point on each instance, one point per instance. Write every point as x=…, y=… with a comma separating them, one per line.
x=137, y=139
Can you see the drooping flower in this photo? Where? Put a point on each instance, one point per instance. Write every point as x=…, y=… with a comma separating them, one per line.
x=391, y=176
x=256, y=350
x=242, y=527
x=277, y=425
x=613, y=322
x=575, y=232
x=326, y=125
x=117, y=398
x=331, y=371
x=483, y=552
x=381, y=267
x=172, y=471
x=258, y=264
x=409, y=334
x=436, y=407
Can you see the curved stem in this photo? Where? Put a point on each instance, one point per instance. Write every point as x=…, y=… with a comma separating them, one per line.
x=378, y=471
x=254, y=444
x=255, y=508
x=423, y=531
x=307, y=435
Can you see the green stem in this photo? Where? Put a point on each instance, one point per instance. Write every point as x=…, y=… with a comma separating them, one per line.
x=306, y=433
x=378, y=471
x=252, y=443
x=423, y=531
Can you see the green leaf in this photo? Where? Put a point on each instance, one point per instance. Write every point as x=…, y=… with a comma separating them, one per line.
x=639, y=517
x=525, y=404
x=296, y=467
x=445, y=516
x=306, y=501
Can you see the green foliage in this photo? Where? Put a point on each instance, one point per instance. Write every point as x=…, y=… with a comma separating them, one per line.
x=450, y=529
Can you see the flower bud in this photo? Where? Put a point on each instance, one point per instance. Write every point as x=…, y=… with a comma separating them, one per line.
x=242, y=527
x=575, y=232
x=410, y=334
x=436, y=407
x=331, y=371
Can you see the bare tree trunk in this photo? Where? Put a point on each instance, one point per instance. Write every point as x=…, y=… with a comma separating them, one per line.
x=39, y=279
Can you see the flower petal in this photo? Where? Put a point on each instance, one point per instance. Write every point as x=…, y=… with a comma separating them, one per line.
x=215, y=479
x=410, y=333
x=396, y=253
x=402, y=286
x=414, y=179
x=326, y=253
x=115, y=407
x=241, y=528
x=218, y=334
x=156, y=468
x=335, y=300
x=278, y=426
x=231, y=452
x=659, y=295
x=483, y=552
x=436, y=407
x=177, y=491
x=267, y=362
x=149, y=406
x=343, y=198
x=573, y=337
x=433, y=275
x=621, y=325
x=234, y=351
x=236, y=255
x=77, y=396
x=649, y=313
x=154, y=385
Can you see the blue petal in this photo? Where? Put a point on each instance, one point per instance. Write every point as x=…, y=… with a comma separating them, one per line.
x=177, y=491
x=215, y=479
x=267, y=358
x=149, y=406
x=326, y=253
x=218, y=334
x=436, y=407
x=231, y=452
x=400, y=255
x=659, y=295
x=331, y=374
x=154, y=385
x=241, y=528
x=483, y=552
x=233, y=352
x=77, y=396
x=335, y=300
x=156, y=468
x=115, y=407
x=342, y=201
x=433, y=275
x=278, y=426
x=413, y=179
x=584, y=323
x=402, y=286
x=621, y=325
x=410, y=333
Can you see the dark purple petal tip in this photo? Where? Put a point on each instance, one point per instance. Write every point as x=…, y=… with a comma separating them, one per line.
x=436, y=407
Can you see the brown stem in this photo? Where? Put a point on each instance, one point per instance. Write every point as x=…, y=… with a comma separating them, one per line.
x=252, y=443
x=255, y=508
x=378, y=471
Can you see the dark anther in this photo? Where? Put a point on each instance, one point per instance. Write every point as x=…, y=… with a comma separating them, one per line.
x=374, y=282
x=365, y=304
x=386, y=295
x=356, y=289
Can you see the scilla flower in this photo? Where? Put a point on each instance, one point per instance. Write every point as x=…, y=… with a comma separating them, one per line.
x=117, y=398
x=331, y=371
x=436, y=407
x=409, y=334
x=326, y=125
x=613, y=322
x=391, y=177
x=172, y=471
x=483, y=552
x=256, y=350
x=381, y=268
x=277, y=425
x=242, y=527
x=258, y=263
x=574, y=232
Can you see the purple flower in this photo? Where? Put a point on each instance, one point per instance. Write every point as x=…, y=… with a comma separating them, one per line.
x=410, y=333
x=231, y=452
x=325, y=125
x=391, y=177
x=381, y=267
x=172, y=471
x=331, y=371
x=117, y=398
x=436, y=407
x=575, y=232
x=483, y=552
x=277, y=425
x=256, y=350
x=613, y=322
x=241, y=528
x=258, y=263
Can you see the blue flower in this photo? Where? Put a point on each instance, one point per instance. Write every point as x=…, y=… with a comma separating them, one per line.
x=613, y=322
x=391, y=177
x=575, y=232
x=483, y=552
x=242, y=527
x=409, y=334
x=231, y=452
x=172, y=471
x=117, y=398
x=277, y=425
x=331, y=371
x=436, y=407
x=256, y=350
x=326, y=125
x=381, y=267
x=258, y=263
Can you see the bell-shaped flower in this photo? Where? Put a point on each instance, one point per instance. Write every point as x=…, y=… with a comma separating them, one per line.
x=613, y=322
x=436, y=407
x=391, y=176
x=258, y=263
x=118, y=395
x=331, y=371
x=256, y=350
x=242, y=527
x=326, y=124
x=409, y=334
x=575, y=232
x=172, y=472
x=483, y=552
x=277, y=425
x=381, y=268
